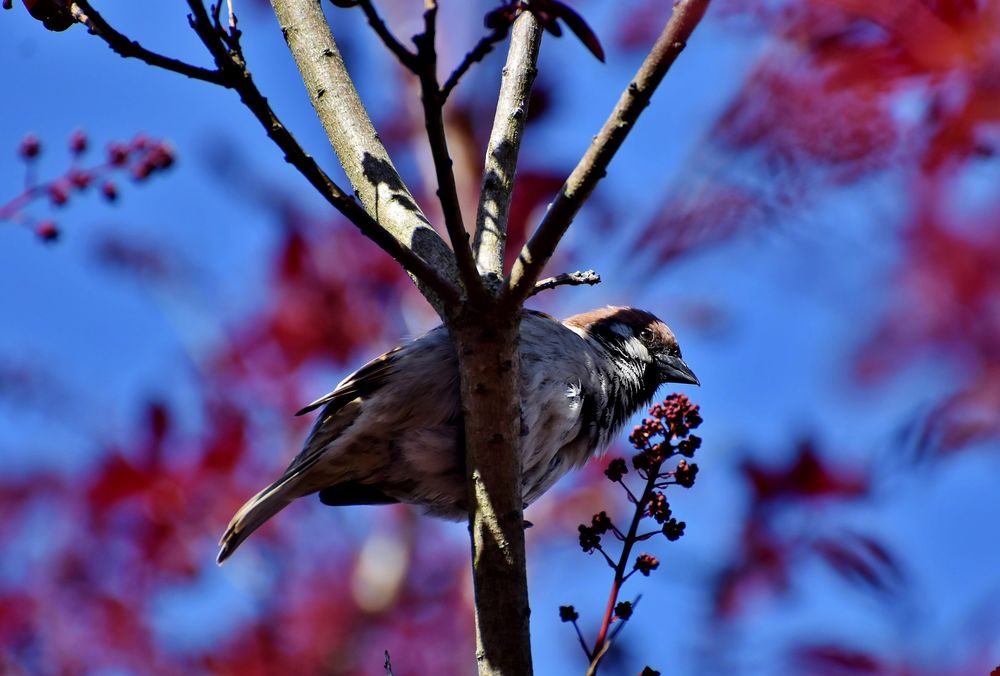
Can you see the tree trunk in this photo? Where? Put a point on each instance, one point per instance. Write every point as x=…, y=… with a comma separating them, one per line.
x=489, y=366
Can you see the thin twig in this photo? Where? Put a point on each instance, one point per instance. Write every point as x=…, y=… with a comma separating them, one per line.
x=594, y=164
x=588, y=277
x=583, y=641
x=631, y=496
x=216, y=15
x=611, y=562
x=405, y=56
x=127, y=48
x=503, y=148
x=476, y=54
x=430, y=96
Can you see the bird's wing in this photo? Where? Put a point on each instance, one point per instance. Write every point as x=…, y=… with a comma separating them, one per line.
x=341, y=407
x=362, y=382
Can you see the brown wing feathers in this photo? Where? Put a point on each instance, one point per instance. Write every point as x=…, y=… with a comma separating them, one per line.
x=277, y=496
x=364, y=381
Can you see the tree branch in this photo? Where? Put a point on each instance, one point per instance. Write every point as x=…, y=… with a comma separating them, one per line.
x=89, y=17
x=433, y=103
x=405, y=56
x=477, y=53
x=489, y=374
x=588, y=277
x=232, y=73
x=225, y=49
x=504, y=145
x=354, y=139
x=593, y=166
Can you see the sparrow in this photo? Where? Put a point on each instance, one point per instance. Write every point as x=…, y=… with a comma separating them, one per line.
x=392, y=431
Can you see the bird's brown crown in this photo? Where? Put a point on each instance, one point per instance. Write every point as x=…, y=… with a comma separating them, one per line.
x=637, y=321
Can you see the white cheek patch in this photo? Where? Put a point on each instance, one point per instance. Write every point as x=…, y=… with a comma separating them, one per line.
x=637, y=350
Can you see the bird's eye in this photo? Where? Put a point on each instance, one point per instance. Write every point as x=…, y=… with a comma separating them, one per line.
x=646, y=336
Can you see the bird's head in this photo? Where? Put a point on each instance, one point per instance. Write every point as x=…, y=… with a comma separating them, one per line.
x=638, y=342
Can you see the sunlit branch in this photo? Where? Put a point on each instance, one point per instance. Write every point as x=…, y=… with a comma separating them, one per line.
x=231, y=73
x=593, y=166
x=588, y=277
x=358, y=146
x=504, y=145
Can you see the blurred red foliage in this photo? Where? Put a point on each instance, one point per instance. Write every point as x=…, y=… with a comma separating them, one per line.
x=769, y=549
x=141, y=521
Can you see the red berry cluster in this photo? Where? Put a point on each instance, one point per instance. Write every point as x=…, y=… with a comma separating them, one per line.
x=616, y=469
x=666, y=434
x=659, y=508
x=590, y=536
x=141, y=158
x=684, y=474
x=671, y=422
x=646, y=563
x=568, y=614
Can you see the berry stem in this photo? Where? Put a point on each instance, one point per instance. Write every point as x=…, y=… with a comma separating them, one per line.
x=620, y=575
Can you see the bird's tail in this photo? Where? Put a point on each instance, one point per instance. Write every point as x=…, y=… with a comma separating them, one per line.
x=254, y=513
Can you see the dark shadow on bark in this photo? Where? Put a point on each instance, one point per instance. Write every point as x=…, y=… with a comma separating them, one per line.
x=379, y=172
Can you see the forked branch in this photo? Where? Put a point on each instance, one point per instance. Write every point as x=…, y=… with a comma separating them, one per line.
x=504, y=146
x=231, y=72
x=423, y=64
x=594, y=164
x=358, y=146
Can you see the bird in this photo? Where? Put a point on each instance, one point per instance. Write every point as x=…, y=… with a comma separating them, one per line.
x=392, y=432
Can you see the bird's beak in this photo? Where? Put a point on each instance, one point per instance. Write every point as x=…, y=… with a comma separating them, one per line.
x=674, y=370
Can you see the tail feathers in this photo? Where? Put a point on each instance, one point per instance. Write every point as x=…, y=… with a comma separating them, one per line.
x=254, y=513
